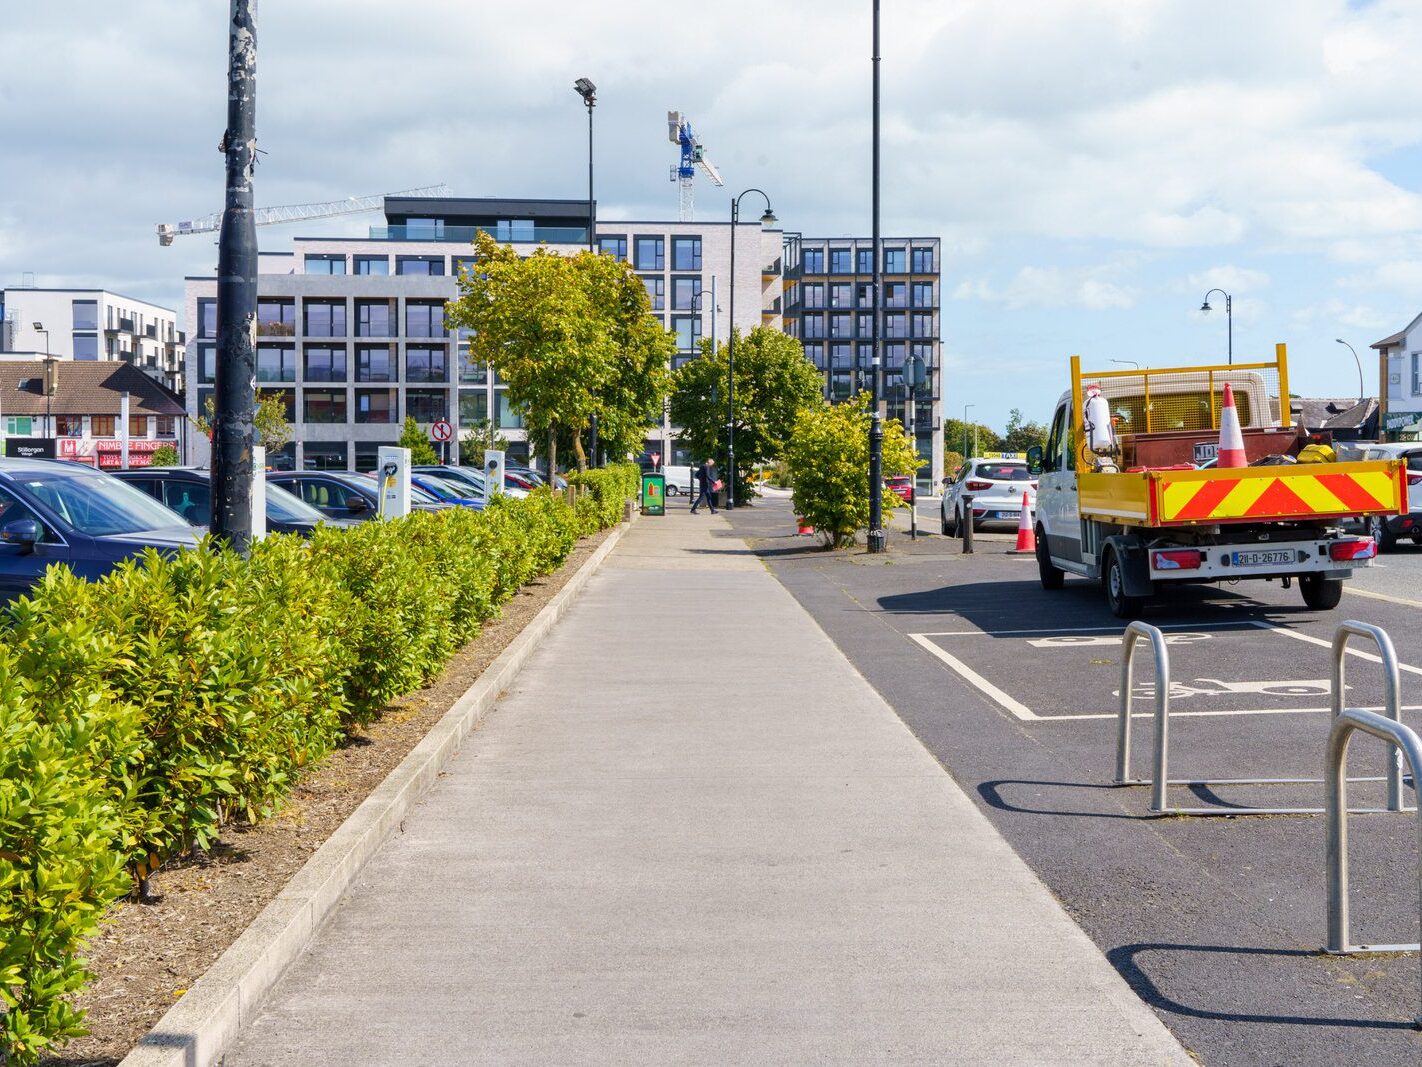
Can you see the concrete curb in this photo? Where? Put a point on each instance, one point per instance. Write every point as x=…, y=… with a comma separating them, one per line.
x=197, y=1030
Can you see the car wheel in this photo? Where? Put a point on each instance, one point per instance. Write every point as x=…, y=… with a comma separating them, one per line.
x=1113, y=580
x=1377, y=527
x=1052, y=576
x=673, y=491
x=1321, y=593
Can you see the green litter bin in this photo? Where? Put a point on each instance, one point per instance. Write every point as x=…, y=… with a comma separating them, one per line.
x=654, y=493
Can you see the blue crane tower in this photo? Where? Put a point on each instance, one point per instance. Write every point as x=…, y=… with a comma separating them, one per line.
x=693, y=155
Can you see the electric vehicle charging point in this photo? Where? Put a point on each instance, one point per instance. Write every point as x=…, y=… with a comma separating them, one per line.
x=493, y=472
x=392, y=467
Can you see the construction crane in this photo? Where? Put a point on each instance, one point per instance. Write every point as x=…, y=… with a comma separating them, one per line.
x=268, y=216
x=693, y=155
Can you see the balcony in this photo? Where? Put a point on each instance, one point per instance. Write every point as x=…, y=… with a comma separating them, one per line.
x=553, y=235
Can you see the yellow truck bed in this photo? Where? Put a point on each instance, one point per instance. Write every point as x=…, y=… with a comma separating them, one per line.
x=1286, y=493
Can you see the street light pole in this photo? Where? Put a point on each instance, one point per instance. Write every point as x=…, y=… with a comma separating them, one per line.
x=1229, y=317
x=1361, y=394
x=48, y=382
x=877, y=541
x=588, y=91
x=967, y=454
x=768, y=219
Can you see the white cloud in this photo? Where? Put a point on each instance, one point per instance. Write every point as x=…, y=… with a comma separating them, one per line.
x=1232, y=279
x=1093, y=288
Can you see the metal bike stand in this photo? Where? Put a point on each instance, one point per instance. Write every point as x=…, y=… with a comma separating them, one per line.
x=1159, y=780
x=1405, y=742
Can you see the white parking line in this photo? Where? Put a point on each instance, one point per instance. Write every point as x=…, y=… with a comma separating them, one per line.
x=1348, y=588
x=977, y=681
x=1310, y=639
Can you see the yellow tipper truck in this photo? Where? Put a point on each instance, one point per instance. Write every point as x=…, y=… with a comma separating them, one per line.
x=1127, y=493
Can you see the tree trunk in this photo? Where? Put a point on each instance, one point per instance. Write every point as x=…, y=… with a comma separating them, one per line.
x=552, y=451
x=578, y=449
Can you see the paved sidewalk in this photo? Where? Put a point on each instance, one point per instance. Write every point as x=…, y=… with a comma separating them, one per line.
x=692, y=833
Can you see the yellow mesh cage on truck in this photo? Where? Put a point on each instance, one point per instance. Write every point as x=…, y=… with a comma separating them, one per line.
x=1166, y=425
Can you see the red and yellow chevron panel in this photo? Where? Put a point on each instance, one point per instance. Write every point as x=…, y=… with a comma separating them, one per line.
x=1262, y=493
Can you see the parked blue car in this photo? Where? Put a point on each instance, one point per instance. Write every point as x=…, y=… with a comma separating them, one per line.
x=450, y=492
x=57, y=512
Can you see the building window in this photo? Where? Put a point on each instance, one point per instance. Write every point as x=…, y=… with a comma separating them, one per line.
x=813, y=294
x=923, y=324
x=516, y=230
x=471, y=372
x=473, y=406
x=207, y=363
x=923, y=294
x=372, y=264
x=656, y=292
x=864, y=261
x=324, y=456
x=325, y=363
x=165, y=426
x=814, y=261
x=841, y=261
x=325, y=264
x=427, y=405
x=688, y=331
x=923, y=261
x=325, y=318
x=207, y=318
x=895, y=295
x=865, y=323
x=325, y=405
x=428, y=265
x=686, y=253
x=509, y=417
x=86, y=314
x=841, y=357
x=814, y=327
x=276, y=363
x=287, y=398
x=19, y=426
x=101, y=426
x=839, y=384
x=377, y=405
x=841, y=326
x=69, y=425
x=815, y=353
x=374, y=363
x=375, y=318
x=1416, y=373
x=86, y=346
x=684, y=292
x=841, y=295
x=895, y=261
x=137, y=426
x=616, y=247
x=276, y=318
x=896, y=325
x=651, y=253
x=424, y=318
x=426, y=363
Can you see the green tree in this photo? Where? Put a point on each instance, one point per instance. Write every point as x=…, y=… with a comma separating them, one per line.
x=273, y=432
x=774, y=384
x=828, y=457
x=476, y=439
x=572, y=336
x=979, y=438
x=418, y=442
x=1021, y=434
x=164, y=456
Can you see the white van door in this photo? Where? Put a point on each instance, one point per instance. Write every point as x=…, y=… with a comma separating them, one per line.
x=1056, y=492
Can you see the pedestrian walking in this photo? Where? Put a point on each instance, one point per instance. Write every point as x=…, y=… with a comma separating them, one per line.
x=707, y=483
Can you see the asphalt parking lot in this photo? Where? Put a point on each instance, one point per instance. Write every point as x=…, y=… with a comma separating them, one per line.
x=1216, y=922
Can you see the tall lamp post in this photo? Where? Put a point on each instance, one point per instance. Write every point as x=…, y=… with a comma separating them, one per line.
x=48, y=382
x=876, y=539
x=588, y=91
x=967, y=453
x=1229, y=317
x=1361, y=394
x=768, y=219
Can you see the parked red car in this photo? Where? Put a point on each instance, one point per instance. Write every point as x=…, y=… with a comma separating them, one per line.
x=901, y=486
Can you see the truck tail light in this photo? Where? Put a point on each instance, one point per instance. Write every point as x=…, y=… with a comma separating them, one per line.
x=978, y=487
x=1176, y=559
x=1362, y=548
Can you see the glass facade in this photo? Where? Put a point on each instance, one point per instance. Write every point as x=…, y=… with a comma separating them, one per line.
x=372, y=264
x=325, y=363
x=325, y=264
x=277, y=318
x=377, y=405
x=424, y=318
x=375, y=363
x=325, y=318
x=427, y=405
x=426, y=363
x=426, y=265
x=375, y=318
x=86, y=346
x=276, y=363
x=86, y=314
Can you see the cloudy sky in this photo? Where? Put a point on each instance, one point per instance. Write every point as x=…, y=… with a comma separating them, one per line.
x=1092, y=166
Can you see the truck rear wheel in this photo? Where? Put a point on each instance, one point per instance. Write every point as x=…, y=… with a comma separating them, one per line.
x=1052, y=575
x=1320, y=593
x=1113, y=580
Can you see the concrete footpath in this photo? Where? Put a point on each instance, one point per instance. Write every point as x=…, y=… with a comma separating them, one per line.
x=692, y=833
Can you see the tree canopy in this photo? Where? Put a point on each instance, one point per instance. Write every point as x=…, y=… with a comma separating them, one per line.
x=774, y=383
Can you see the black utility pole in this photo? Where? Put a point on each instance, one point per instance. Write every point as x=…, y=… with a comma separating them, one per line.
x=588, y=91
x=235, y=395
x=876, y=425
x=768, y=219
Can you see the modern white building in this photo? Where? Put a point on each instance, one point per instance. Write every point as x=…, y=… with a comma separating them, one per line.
x=1400, y=374
x=93, y=325
x=351, y=331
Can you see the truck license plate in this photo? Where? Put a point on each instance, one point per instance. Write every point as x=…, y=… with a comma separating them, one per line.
x=1261, y=559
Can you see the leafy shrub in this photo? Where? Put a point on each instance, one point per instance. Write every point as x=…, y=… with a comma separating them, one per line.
x=609, y=488
x=165, y=456
x=141, y=713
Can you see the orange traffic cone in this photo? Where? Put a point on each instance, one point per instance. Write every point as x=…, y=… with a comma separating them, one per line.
x=1231, y=437
x=803, y=527
x=1026, y=535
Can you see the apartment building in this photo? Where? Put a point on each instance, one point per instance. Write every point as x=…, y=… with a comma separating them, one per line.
x=91, y=325
x=351, y=331
x=829, y=306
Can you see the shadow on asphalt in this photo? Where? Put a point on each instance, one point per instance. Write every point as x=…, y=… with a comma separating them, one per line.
x=1124, y=959
x=991, y=792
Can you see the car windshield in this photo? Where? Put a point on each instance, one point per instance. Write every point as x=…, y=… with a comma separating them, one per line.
x=284, y=507
x=1003, y=472
x=417, y=494
x=98, y=505
x=441, y=489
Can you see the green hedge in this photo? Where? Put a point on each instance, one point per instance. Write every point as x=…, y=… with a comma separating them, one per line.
x=609, y=488
x=141, y=713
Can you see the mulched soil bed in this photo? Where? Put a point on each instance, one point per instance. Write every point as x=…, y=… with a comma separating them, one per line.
x=147, y=955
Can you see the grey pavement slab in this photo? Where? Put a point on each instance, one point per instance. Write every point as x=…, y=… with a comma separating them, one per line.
x=691, y=832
